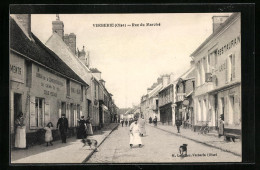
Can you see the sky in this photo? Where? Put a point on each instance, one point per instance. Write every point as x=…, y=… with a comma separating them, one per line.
x=132, y=58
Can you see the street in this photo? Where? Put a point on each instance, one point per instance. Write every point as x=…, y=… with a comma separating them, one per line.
x=159, y=146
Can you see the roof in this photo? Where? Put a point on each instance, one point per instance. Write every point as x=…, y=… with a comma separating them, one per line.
x=58, y=46
x=155, y=90
x=36, y=51
x=217, y=31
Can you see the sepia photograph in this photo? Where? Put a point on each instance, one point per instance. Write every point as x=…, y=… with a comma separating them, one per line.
x=125, y=88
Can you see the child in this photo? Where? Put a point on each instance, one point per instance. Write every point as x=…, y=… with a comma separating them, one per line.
x=48, y=134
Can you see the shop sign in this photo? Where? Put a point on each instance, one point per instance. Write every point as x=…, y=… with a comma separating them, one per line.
x=180, y=96
x=186, y=102
x=17, y=71
x=208, y=77
x=229, y=45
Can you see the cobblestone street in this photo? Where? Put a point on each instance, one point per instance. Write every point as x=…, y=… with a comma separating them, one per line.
x=159, y=146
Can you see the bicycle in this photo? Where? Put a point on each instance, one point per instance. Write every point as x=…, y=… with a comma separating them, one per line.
x=204, y=129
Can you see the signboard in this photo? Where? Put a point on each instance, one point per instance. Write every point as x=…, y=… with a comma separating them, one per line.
x=16, y=69
x=180, y=96
x=208, y=77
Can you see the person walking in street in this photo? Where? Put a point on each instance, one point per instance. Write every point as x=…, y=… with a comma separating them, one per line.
x=81, y=133
x=155, y=121
x=141, y=123
x=20, y=134
x=150, y=120
x=122, y=122
x=48, y=134
x=221, y=126
x=62, y=125
x=126, y=122
x=89, y=126
x=178, y=124
x=135, y=138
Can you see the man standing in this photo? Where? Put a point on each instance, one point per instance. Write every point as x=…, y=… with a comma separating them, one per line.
x=62, y=124
x=155, y=121
x=142, y=126
x=178, y=124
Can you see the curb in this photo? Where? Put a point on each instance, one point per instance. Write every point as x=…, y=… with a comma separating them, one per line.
x=216, y=147
x=93, y=151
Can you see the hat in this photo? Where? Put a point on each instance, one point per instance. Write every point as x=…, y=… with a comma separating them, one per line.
x=63, y=114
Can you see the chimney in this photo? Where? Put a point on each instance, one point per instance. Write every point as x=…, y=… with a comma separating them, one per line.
x=58, y=26
x=25, y=21
x=217, y=21
x=66, y=39
x=72, y=42
x=149, y=90
x=159, y=80
x=171, y=78
x=165, y=80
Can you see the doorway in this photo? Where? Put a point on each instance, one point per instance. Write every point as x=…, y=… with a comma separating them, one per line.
x=17, y=104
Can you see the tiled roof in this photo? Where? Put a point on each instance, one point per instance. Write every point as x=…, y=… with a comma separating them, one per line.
x=37, y=51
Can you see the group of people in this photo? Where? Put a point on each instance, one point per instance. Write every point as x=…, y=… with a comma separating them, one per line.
x=154, y=121
x=84, y=129
x=137, y=129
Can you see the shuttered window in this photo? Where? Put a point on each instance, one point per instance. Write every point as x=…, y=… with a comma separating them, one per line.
x=38, y=112
x=233, y=71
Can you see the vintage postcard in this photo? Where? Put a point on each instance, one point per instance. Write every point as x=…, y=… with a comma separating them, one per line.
x=125, y=88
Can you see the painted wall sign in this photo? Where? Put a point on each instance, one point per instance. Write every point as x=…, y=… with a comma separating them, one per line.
x=17, y=71
x=229, y=45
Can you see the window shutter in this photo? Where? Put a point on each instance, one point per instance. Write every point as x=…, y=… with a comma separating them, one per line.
x=233, y=66
x=32, y=113
x=226, y=116
x=226, y=70
x=80, y=110
x=59, y=106
x=47, y=112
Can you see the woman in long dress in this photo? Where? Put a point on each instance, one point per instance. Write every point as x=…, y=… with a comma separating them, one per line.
x=48, y=134
x=20, y=135
x=141, y=123
x=135, y=138
x=81, y=129
x=89, y=126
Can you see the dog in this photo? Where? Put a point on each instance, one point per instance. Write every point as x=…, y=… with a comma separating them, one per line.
x=183, y=150
x=91, y=143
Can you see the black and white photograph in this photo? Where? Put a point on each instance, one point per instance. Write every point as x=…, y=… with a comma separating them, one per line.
x=90, y=88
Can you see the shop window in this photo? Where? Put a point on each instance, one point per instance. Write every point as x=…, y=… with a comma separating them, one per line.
x=68, y=87
x=39, y=112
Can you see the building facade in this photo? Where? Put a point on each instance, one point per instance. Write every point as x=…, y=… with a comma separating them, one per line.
x=218, y=76
x=40, y=88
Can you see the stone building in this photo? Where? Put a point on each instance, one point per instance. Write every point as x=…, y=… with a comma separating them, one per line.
x=42, y=86
x=218, y=76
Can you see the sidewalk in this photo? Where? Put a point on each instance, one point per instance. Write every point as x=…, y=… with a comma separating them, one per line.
x=208, y=139
x=70, y=152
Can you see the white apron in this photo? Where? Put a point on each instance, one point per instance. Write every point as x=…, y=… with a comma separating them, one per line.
x=20, y=137
x=135, y=138
x=48, y=134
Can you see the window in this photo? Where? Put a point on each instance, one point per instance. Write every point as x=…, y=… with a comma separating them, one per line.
x=193, y=85
x=28, y=67
x=68, y=87
x=39, y=112
x=82, y=92
x=232, y=67
x=184, y=87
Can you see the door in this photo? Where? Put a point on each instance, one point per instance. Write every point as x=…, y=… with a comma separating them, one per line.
x=216, y=109
x=223, y=109
x=17, y=107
